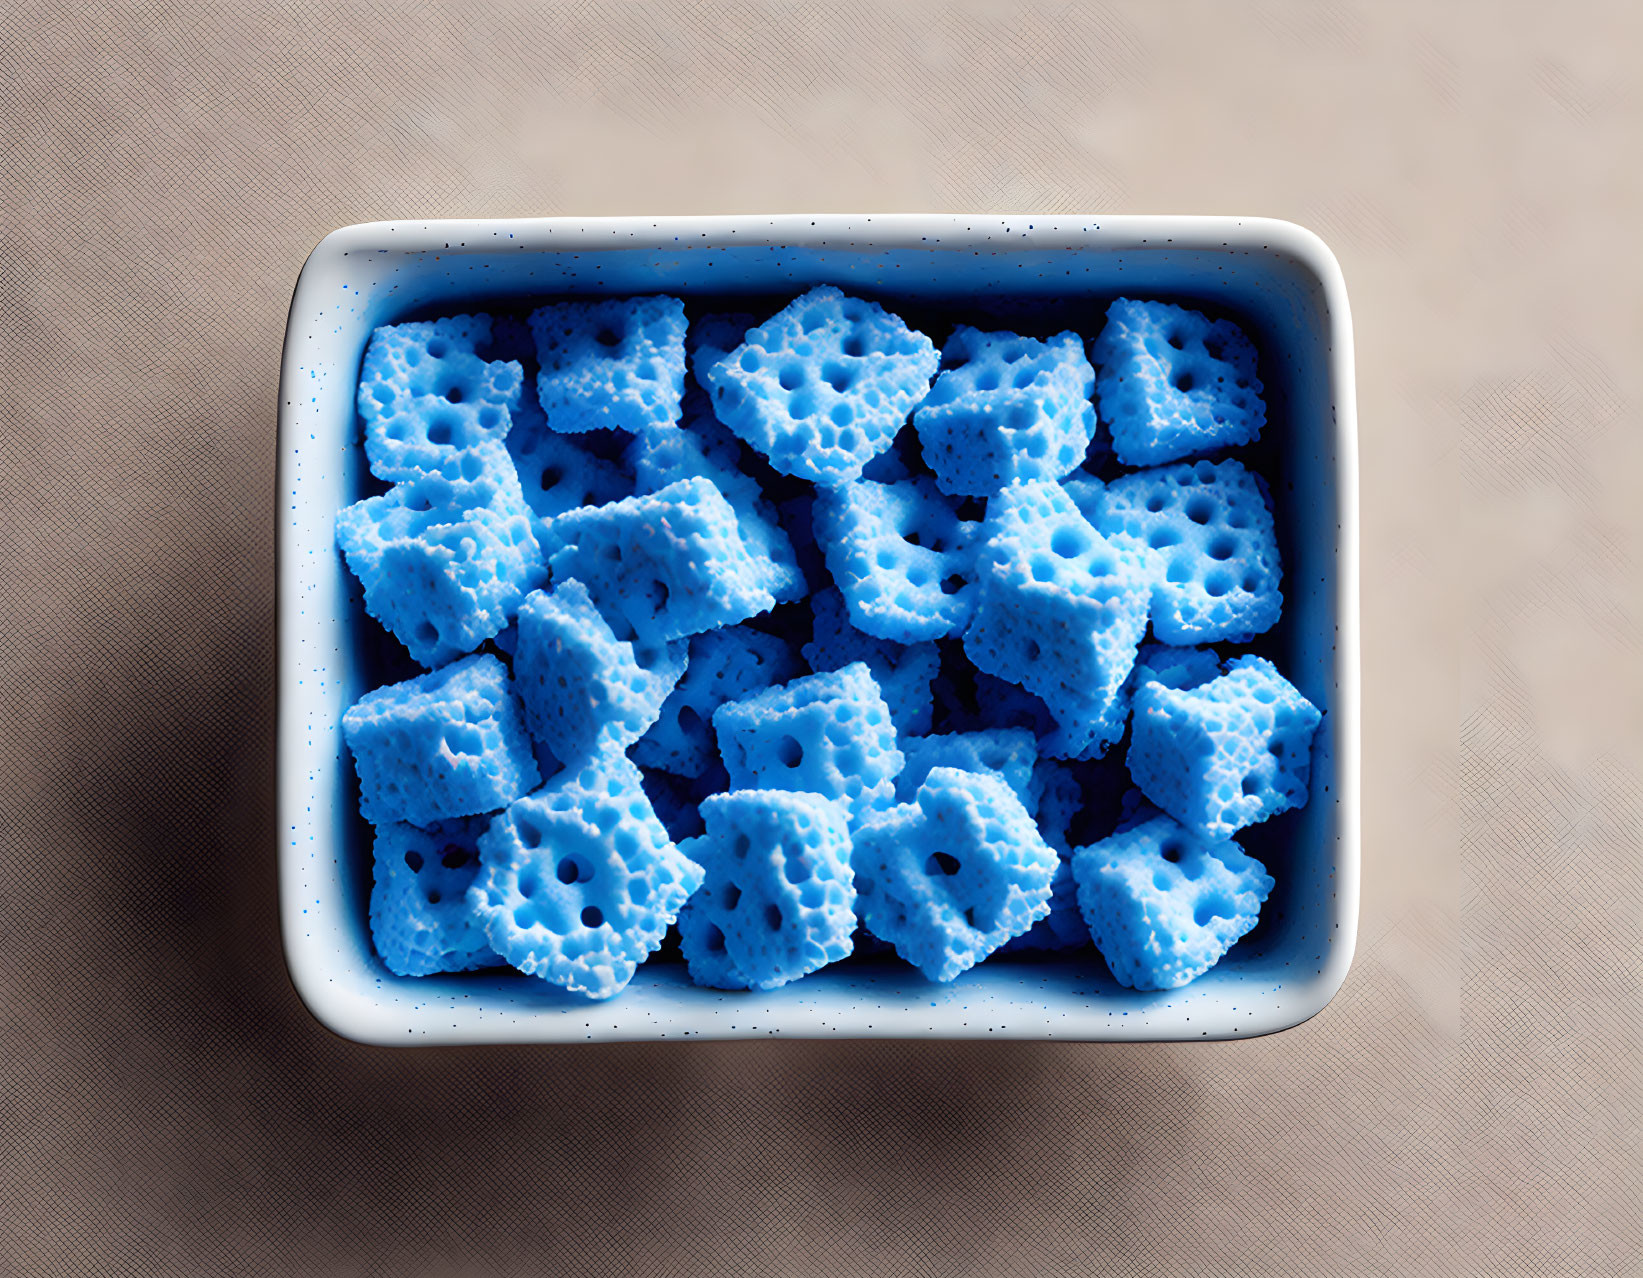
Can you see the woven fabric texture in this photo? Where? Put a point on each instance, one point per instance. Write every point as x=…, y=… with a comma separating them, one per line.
x=1469, y=1102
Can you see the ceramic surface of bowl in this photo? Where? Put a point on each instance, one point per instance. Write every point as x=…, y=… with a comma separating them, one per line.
x=1041, y=272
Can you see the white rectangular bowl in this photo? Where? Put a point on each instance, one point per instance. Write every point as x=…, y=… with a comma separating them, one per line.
x=1276, y=278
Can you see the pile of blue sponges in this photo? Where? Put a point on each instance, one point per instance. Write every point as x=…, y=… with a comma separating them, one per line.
x=791, y=630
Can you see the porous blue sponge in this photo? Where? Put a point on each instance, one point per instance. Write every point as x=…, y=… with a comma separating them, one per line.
x=421, y=922
x=1227, y=753
x=579, y=881
x=725, y=665
x=583, y=688
x=1060, y=612
x=1006, y=408
x=1174, y=383
x=702, y=446
x=446, y=744
x=779, y=897
x=1208, y=534
x=445, y=560
x=556, y=473
x=902, y=672
x=615, y=363
x=828, y=734
x=1006, y=753
x=950, y=878
x=901, y=557
x=665, y=565
x=824, y=385
x=1163, y=905
x=425, y=395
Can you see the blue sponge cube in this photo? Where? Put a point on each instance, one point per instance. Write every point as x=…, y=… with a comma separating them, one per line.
x=425, y=395
x=701, y=446
x=1061, y=612
x=901, y=556
x=579, y=881
x=1006, y=753
x=778, y=902
x=1227, y=753
x=725, y=665
x=1206, y=529
x=446, y=744
x=948, y=879
x=1163, y=905
x=582, y=687
x=421, y=922
x=1174, y=383
x=1005, y=409
x=824, y=385
x=556, y=473
x=445, y=560
x=665, y=565
x=903, y=672
x=828, y=734
x=613, y=363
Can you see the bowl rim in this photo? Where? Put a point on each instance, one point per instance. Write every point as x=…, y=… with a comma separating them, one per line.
x=336, y=1009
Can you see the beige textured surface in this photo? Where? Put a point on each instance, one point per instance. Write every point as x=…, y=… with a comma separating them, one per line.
x=1469, y=1102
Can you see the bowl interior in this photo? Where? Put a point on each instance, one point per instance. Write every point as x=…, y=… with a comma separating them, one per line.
x=1037, y=278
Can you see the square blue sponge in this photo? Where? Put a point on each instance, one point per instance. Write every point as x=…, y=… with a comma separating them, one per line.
x=1207, y=532
x=446, y=744
x=1174, y=383
x=582, y=687
x=614, y=363
x=445, y=559
x=1163, y=905
x=1226, y=753
x=580, y=881
x=421, y=922
x=778, y=901
x=951, y=877
x=828, y=734
x=1005, y=409
x=424, y=394
x=823, y=386
x=664, y=565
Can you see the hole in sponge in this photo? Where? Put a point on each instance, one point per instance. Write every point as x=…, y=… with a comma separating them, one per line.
x=1163, y=538
x=426, y=632
x=1183, y=381
x=413, y=858
x=608, y=337
x=838, y=377
x=1034, y=652
x=529, y=835
x=550, y=477
x=1200, y=509
x=789, y=751
x=453, y=857
x=854, y=345
x=572, y=869
x=941, y=863
x=1213, y=907
x=454, y=395
x=795, y=869
x=440, y=432
x=434, y=897
x=792, y=376
x=714, y=939
x=1171, y=851
x=1162, y=882
x=1043, y=568
x=1217, y=584
x=592, y=916
x=437, y=348
x=1068, y=543
x=740, y=847
x=1157, y=501
x=952, y=585
x=1222, y=548
x=1251, y=784
x=773, y=917
x=1175, y=340
x=731, y=897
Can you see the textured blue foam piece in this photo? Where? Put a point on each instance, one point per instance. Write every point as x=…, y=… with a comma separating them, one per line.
x=617, y=363
x=1175, y=667
x=664, y=565
x=421, y=922
x=1163, y=905
x=725, y=665
x=824, y=385
x=425, y=395
x=702, y=446
x=903, y=672
x=951, y=877
x=901, y=557
x=779, y=898
x=1063, y=928
x=1006, y=753
x=556, y=473
x=829, y=734
x=1006, y=408
x=1173, y=383
x=579, y=881
x=582, y=687
x=1060, y=612
x=1208, y=534
x=445, y=744
x=444, y=560
x=1227, y=753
